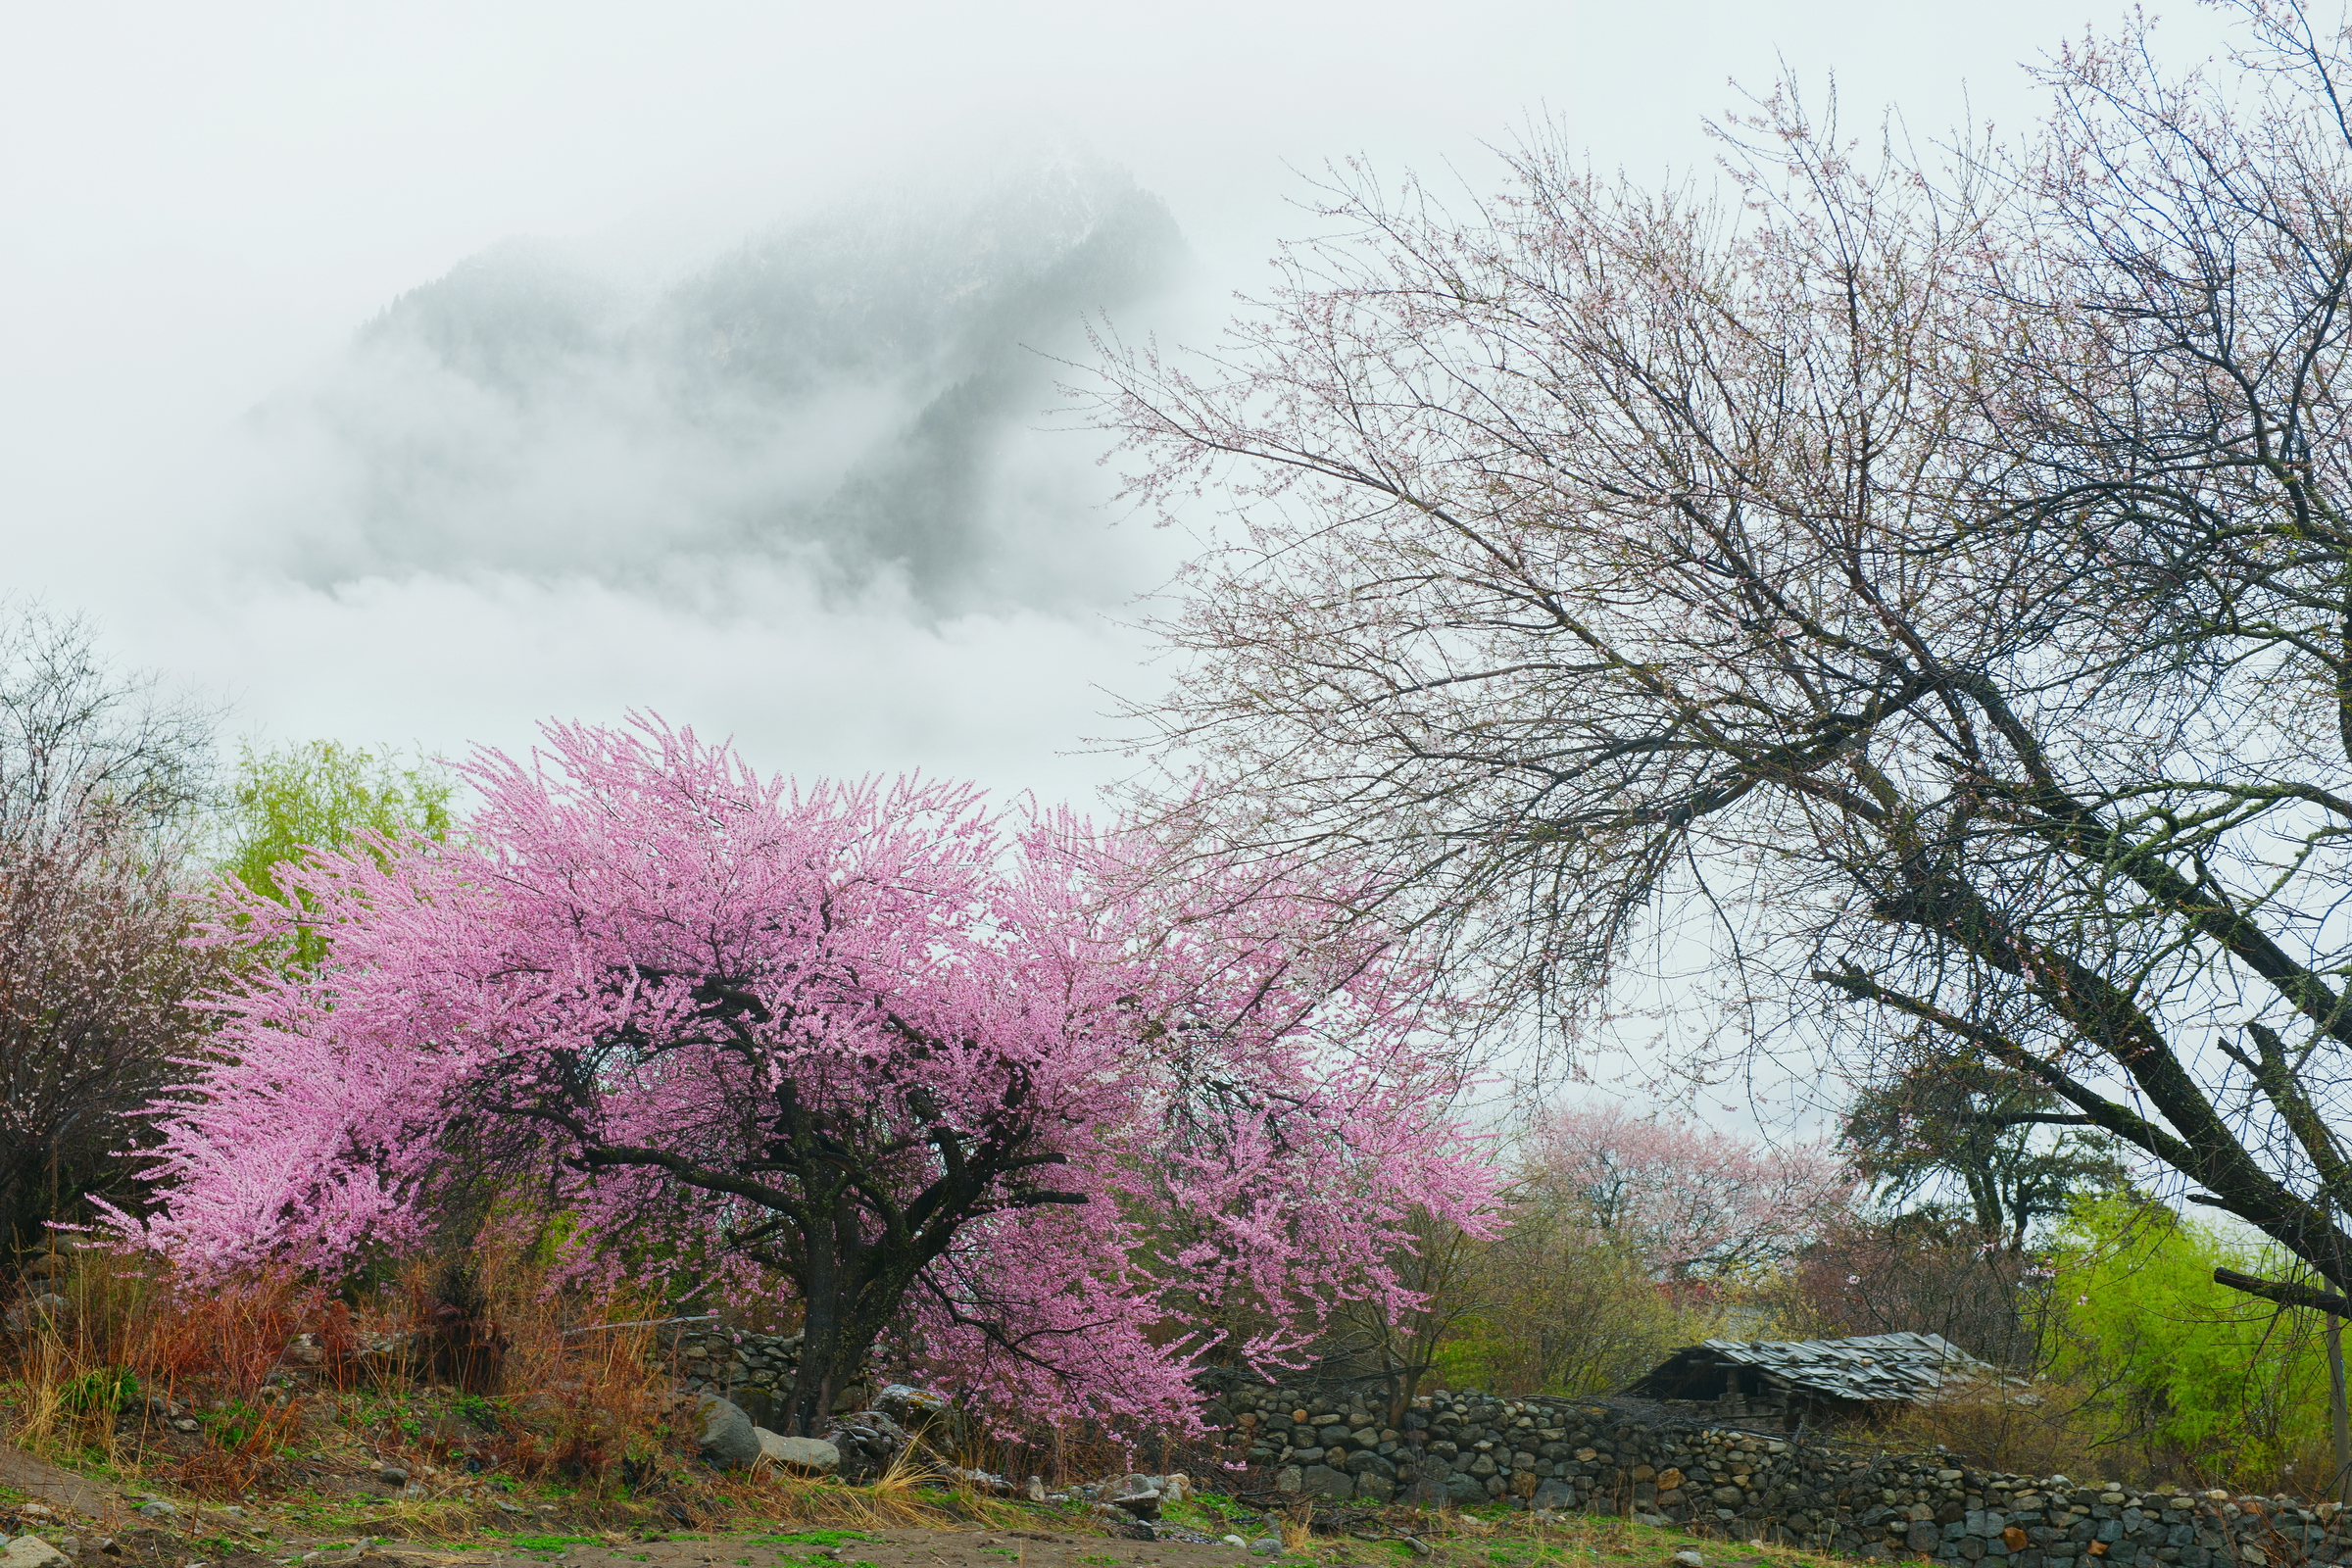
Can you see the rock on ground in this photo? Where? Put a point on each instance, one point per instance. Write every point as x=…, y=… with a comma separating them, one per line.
x=727, y=1438
x=1322, y=1481
x=809, y=1455
x=31, y=1552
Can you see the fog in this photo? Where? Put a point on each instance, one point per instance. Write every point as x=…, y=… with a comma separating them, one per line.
x=411, y=377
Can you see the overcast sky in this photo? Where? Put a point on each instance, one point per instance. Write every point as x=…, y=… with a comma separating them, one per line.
x=200, y=207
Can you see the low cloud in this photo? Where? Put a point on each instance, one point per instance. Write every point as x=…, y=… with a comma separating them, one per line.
x=850, y=399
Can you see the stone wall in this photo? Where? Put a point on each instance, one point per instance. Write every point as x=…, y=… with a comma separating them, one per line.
x=1620, y=1457
x=755, y=1370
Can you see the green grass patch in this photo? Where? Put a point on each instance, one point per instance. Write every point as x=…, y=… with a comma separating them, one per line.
x=104, y=1391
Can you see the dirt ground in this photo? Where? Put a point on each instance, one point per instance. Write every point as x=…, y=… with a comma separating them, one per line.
x=881, y=1549
x=93, y=1521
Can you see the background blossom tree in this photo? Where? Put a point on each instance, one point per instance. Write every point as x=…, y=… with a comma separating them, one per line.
x=102, y=777
x=927, y=1069
x=1692, y=1202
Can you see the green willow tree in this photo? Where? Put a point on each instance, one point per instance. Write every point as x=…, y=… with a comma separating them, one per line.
x=285, y=801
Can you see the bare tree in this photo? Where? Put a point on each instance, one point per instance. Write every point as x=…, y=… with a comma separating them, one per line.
x=1920, y=586
x=80, y=740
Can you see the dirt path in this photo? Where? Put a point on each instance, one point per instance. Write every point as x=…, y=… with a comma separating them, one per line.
x=45, y=1483
x=880, y=1548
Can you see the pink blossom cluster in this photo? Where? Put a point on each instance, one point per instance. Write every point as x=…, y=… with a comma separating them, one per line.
x=1694, y=1201
x=1098, y=1112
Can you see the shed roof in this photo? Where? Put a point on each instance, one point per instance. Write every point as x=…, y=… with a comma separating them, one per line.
x=1868, y=1369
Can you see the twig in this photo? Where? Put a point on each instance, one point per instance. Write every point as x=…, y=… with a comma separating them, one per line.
x=642, y=1323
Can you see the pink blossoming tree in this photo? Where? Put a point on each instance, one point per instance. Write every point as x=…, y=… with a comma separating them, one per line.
x=1692, y=1202
x=931, y=1070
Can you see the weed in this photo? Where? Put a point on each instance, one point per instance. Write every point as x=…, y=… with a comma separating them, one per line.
x=102, y=1391
x=1298, y=1534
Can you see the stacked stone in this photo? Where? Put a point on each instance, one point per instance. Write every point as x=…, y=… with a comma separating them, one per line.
x=1966, y=1517
x=723, y=1361
x=1600, y=1456
x=1460, y=1448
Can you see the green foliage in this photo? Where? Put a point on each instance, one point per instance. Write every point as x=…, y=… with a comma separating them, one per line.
x=235, y=1424
x=2226, y=1385
x=103, y=1391
x=1954, y=1122
x=483, y=1411
x=1560, y=1309
x=323, y=795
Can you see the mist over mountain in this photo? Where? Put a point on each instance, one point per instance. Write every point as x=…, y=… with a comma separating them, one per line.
x=851, y=397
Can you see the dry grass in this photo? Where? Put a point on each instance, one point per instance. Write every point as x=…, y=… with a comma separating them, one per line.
x=551, y=1390
x=899, y=1498
x=572, y=1396
x=130, y=1329
x=442, y=1518
x=1298, y=1530
x=2065, y=1429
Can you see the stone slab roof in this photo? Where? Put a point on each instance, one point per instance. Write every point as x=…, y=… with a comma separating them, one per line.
x=1868, y=1369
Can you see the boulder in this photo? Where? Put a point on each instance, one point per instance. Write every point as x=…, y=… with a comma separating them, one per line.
x=813, y=1457
x=31, y=1552
x=723, y=1432
x=869, y=1442
x=1554, y=1494
x=35, y=1310
x=1322, y=1481
x=1143, y=1504
x=911, y=1406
